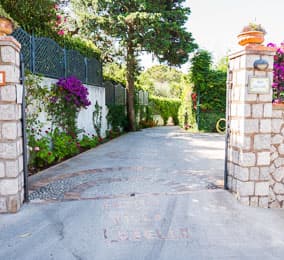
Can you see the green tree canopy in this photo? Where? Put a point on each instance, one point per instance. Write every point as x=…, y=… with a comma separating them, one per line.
x=200, y=69
x=115, y=72
x=154, y=26
x=33, y=16
x=163, y=81
x=208, y=83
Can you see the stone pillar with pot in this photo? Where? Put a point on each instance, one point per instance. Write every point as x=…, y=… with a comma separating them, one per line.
x=250, y=119
x=11, y=148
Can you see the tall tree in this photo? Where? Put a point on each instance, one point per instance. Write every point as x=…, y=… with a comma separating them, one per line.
x=153, y=26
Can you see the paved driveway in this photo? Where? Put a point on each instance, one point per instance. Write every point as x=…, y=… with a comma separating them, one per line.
x=154, y=194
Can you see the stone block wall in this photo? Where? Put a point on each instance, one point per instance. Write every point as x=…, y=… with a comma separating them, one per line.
x=276, y=185
x=11, y=148
x=250, y=117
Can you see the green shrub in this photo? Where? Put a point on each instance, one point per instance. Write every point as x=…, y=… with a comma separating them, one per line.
x=41, y=154
x=88, y=142
x=185, y=113
x=110, y=134
x=63, y=145
x=208, y=120
x=86, y=47
x=147, y=123
x=117, y=117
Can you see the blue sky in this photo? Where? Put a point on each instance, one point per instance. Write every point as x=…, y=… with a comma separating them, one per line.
x=215, y=23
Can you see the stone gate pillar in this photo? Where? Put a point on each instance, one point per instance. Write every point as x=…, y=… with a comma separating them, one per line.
x=11, y=148
x=250, y=112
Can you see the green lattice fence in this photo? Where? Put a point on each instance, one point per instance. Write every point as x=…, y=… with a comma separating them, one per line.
x=45, y=57
x=116, y=95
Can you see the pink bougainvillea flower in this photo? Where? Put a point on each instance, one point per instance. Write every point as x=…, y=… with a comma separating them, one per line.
x=36, y=149
x=60, y=32
x=75, y=91
x=278, y=72
x=273, y=45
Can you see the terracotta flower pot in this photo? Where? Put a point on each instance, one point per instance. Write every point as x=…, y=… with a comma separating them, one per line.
x=278, y=106
x=6, y=26
x=250, y=37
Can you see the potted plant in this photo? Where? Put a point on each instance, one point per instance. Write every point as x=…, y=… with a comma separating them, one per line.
x=6, y=23
x=252, y=33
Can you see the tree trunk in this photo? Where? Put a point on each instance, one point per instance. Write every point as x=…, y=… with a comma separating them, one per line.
x=130, y=68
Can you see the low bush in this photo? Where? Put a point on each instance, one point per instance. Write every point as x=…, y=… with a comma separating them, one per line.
x=116, y=117
x=88, y=142
x=147, y=123
x=208, y=120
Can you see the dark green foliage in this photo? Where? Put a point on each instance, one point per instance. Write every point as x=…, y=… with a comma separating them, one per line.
x=88, y=142
x=200, y=70
x=165, y=107
x=110, y=134
x=213, y=97
x=33, y=16
x=85, y=47
x=116, y=117
x=115, y=73
x=210, y=86
x=40, y=152
x=208, y=120
x=63, y=145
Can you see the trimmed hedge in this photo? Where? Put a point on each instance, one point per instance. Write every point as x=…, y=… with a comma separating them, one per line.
x=165, y=107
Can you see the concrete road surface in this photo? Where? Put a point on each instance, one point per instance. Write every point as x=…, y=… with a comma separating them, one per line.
x=155, y=194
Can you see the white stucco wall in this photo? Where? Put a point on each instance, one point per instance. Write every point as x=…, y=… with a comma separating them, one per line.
x=85, y=117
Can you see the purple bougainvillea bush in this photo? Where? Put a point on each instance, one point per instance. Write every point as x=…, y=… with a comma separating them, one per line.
x=278, y=73
x=74, y=91
x=68, y=96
